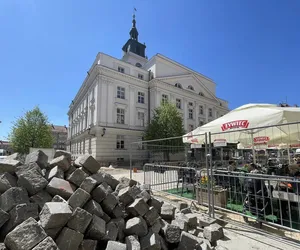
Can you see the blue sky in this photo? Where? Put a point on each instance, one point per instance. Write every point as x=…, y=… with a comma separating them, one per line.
x=250, y=48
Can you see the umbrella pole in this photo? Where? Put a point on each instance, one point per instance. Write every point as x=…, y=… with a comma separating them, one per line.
x=253, y=150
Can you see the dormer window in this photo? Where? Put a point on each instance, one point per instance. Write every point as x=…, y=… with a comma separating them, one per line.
x=220, y=104
x=138, y=65
x=201, y=94
x=190, y=87
x=178, y=85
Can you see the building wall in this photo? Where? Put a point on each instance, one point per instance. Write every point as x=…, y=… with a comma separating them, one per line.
x=115, y=87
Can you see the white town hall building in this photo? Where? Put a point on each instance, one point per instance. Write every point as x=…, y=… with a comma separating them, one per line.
x=114, y=104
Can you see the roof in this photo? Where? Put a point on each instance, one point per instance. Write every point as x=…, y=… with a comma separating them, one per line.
x=58, y=128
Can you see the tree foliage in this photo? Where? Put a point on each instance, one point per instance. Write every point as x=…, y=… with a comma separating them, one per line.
x=166, y=123
x=31, y=130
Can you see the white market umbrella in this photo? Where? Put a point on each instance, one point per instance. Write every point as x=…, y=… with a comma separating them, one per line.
x=252, y=124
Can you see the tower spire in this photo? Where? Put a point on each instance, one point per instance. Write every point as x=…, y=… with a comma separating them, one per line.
x=133, y=32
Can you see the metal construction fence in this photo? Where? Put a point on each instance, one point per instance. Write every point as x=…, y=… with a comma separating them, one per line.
x=220, y=176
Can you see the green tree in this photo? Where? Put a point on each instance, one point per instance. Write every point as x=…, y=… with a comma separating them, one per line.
x=166, y=123
x=31, y=130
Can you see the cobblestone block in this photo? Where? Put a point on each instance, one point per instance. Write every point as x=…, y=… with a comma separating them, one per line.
x=138, y=208
x=38, y=157
x=69, y=239
x=88, y=162
x=46, y=244
x=96, y=229
x=60, y=187
x=12, y=197
x=7, y=181
x=62, y=162
x=136, y=226
x=88, y=184
x=94, y=208
x=77, y=177
x=41, y=198
x=79, y=198
x=80, y=220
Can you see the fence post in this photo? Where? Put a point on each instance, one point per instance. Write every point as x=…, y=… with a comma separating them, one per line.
x=130, y=159
x=211, y=176
x=208, y=176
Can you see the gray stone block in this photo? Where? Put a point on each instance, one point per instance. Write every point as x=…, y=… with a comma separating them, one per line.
x=7, y=181
x=41, y=198
x=106, y=188
x=151, y=216
x=70, y=171
x=192, y=220
x=167, y=212
x=118, y=212
x=120, y=223
x=98, y=194
x=156, y=227
x=62, y=162
x=60, y=187
x=88, y=245
x=31, y=179
x=67, y=154
x=186, y=210
x=80, y=220
x=96, y=229
x=132, y=242
x=145, y=195
x=85, y=170
x=98, y=178
x=88, y=184
x=114, y=245
x=135, y=191
x=156, y=204
x=151, y=241
x=77, y=177
x=55, y=214
x=9, y=166
x=29, y=230
x=19, y=214
x=110, y=180
x=46, y=244
x=94, y=208
x=205, y=221
x=111, y=231
x=79, y=198
x=53, y=232
x=125, y=196
x=69, y=239
x=171, y=233
x=58, y=198
x=189, y=241
x=13, y=197
x=55, y=172
x=182, y=224
x=182, y=205
x=4, y=217
x=109, y=203
x=127, y=182
x=18, y=157
x=213, y=232
x=38, y=157
x=88, y=162
x=106, y=217
x=138, y=208
x=206, y=245
x=136, y=226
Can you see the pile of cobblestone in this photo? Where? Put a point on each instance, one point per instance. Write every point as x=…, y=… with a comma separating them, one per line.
x=69, y=206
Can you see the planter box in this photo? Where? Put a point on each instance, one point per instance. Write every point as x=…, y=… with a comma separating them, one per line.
x=220, y=196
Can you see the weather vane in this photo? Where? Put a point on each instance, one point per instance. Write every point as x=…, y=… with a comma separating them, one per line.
x=134, y=10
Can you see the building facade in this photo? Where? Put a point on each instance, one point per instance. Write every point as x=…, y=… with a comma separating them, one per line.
x=60, y=136
x=115, y=102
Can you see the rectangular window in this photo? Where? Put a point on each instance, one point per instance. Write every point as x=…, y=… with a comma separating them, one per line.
x=201, y=110
x=121, y=70
x=141, y=118
x=120, y=116
x=191, y=114
x=140, y=76
x=178, y=103
x=201, y=123
x=120, y=142
x=121, y=92
x=210, y=113
x=191, y=104
x=141, y=97
x=191, y=128
x=92, y=116
x=164, y=98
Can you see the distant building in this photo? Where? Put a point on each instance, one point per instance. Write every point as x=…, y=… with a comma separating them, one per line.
x=6, y=145
x=60, y=135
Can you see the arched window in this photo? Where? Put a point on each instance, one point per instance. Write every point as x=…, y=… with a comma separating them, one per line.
x=201, y=93
x=190, y=87
x=138, y=65
x=178, y=85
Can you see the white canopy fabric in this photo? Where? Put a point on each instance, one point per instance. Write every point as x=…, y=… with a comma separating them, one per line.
x=245, y=125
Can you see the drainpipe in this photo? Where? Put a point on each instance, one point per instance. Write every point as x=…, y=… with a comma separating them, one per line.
x=149, y=97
